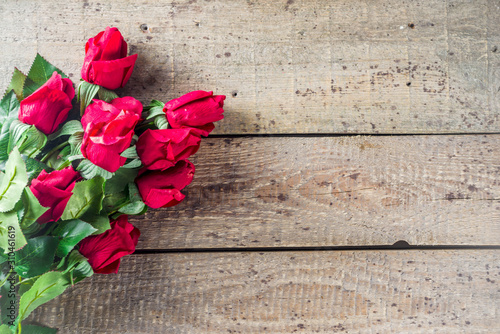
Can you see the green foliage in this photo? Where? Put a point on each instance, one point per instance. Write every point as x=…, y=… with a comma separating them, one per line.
x=68, y=128
x=4, y=329
x=119, y=181
x=45, y=288
x=13, y=182
x=130, y=152
x=154, y=109
x=17, y=83
x=136, y=205
x=41, y=71
x=27, y=137
x=71, y=233
x=86, y=92
x=36, y=257
x=32, y=209
x=106, y=94
x=9, y=110
x=100, y=223
x=86, y=201
x=9, y=226
x=89, y=171
x=77, y=266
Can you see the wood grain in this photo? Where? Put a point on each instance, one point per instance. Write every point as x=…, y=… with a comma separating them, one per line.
x=286, y=292
x=334, y=191
x=371, y=66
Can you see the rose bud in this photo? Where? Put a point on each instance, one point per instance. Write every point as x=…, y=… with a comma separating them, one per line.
x=108, y=130
x=161, y=149
x=163, y=188
x=106, y=63
x=53, y=190
x=49, y=105
x=198, y=109
x=104, y=250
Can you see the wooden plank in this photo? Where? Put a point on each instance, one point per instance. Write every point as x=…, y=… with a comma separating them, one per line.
x=452, y=291
x=297, y=66
x=334, y=191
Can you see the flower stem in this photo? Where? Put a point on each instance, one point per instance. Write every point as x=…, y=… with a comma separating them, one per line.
x=46, y=157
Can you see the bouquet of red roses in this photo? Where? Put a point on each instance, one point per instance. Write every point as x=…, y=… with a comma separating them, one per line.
x=71, y=173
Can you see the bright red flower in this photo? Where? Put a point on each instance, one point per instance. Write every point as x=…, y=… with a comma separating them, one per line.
x=53, y=190
x=163, y=188
x=105, y=250
x=109, y=128
x=198, y=110
x=106, y=63
x=161, y=149
x=49, y=105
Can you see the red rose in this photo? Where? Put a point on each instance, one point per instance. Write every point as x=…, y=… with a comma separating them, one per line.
x=198, y=109
x=109, y=128
x=161, y=149
x=104, y=250
x=106, y=63
x=163, y=188
x=49, y=105
x=53, y=190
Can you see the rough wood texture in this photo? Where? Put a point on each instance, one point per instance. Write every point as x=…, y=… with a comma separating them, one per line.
x=286, y=292
x=265, y=192
x=289, y=66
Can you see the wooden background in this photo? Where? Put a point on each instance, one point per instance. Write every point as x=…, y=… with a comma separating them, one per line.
x=349, y=126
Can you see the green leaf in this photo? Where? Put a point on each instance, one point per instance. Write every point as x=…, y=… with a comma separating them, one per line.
x=32, y=329
x=11, y=236
x=47, y=287
x=8, y=298
x=106, y=94
x=32, y=208
x=88, y=170
x=17, y=134
x=136, y=163
x=17, y=83
x=71, y=233
x=41, y=71
x=35, y=141
x=13, y=182
x=34, y=167
x=161, y=122
x=100, y=223
x=36, y=257
x=112, y=202
x=130, y=152
x=86, y=92
x=78, y=265
x=119, y=181
x=154, y=109
x=9, y=107
x=4, y=329
x=86, y=201
x=136, y=205
x=9, y=110
x=75, y=142
x=68, y=128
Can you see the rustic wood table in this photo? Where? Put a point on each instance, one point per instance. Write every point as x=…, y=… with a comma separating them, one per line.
x=349, y=126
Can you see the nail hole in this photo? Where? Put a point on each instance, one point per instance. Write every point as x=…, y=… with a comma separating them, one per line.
x=234, y=94
x=408, y=84
x=494, y=49
x=411, y=25
x=144, y=27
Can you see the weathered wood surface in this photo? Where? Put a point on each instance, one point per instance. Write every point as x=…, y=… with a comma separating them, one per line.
x=289, y=66
x=285, y=292
x=332, y=191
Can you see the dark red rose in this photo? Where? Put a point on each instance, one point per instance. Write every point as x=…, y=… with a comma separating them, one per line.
x=109, y=128
x=106, y=63
x=53, y=190
x=161, y=149
x=104, y=250
x=198, y=109
x=49, y=105
x=163, y=188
